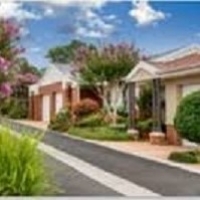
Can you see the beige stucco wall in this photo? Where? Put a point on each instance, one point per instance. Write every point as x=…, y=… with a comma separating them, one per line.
x=173, y=94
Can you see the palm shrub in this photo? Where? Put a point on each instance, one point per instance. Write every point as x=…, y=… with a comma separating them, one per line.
x=187, y=119
x=21, y=167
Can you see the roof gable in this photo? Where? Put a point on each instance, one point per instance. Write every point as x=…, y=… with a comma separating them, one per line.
x=142, y=71
x=51, y=75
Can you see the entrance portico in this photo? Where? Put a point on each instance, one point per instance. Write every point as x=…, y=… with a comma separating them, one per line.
x=145, y=72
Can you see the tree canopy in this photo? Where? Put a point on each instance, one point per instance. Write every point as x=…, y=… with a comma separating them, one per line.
x=65, y=53
x=107, y=64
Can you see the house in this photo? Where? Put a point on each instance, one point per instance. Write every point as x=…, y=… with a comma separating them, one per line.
x=173, y=75
x=59, y=87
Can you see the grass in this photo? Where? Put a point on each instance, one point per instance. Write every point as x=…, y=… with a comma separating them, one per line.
x=21, y=166
x=102, y=133
x=190, y=157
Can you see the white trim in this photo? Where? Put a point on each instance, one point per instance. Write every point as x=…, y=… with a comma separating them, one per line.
x=194, y=48
x=142, y=65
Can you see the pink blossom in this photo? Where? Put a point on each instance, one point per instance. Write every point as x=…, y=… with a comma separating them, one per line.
x=4, y=64
x=5, y=90
x=18, y=50
x=27, y=78
x=10, y=29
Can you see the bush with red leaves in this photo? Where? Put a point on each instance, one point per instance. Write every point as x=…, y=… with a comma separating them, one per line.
x=85, y=107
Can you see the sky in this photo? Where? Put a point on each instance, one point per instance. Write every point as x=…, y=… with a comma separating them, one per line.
x=154, y=27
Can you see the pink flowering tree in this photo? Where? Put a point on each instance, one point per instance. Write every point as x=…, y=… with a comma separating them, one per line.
x=105, y=69
x=9, y=50
x=15, y=76
x=25, y=75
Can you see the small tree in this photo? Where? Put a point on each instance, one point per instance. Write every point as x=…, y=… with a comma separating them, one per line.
x=105, y=68
x=187, y=119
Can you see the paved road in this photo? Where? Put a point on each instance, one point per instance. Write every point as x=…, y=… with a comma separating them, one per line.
x=159, y=178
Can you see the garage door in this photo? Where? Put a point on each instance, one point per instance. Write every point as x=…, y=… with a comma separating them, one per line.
x=59, y=102
x=46, y=108
x=188, y=89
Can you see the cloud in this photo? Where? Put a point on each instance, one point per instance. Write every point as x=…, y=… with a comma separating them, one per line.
x=111, y=17
x=15, y=10
x=24, y=32
x=49, y=11
x=84, y=3
x=92, y=25
x=145, y=14
x=34, y=49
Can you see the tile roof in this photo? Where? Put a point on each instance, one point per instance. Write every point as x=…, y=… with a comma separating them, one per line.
x=186, y=62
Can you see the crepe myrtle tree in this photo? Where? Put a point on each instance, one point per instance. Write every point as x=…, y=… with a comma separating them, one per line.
x=105, y=68
x=9, y=51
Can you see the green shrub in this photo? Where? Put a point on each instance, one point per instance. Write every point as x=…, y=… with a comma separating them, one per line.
x=18, y=111
x=122, y=111
x=145, y=126
x=85, y=107
x=21, y=167
x=185, y=157
x=187, y=119
x=92, y=120
x=61, y=122
x=122, y=120
x=14, y=108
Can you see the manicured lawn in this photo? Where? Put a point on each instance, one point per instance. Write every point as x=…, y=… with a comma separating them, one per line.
x=99, y=133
